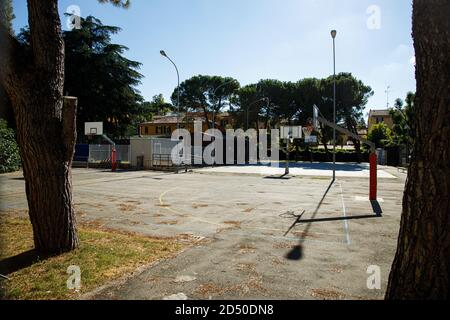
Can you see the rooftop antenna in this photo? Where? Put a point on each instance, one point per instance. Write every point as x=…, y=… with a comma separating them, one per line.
x=388, y=90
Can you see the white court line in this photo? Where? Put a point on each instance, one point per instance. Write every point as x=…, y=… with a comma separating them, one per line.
x=347, y=234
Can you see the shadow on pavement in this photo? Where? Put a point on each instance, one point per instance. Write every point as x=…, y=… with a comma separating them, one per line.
x=297, y=252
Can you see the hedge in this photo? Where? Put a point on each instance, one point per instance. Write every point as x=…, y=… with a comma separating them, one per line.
x=9, y=150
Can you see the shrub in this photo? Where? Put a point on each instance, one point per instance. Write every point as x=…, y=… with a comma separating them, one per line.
x=381, y=135
x=9, y=151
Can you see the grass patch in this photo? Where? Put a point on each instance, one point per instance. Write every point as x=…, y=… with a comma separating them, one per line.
x=103, y=256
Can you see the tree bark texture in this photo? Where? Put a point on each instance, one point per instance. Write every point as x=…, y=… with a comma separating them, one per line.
x=421, y=266
x=46, y=134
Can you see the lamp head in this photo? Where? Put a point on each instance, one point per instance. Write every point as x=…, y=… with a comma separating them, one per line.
x=333, y=33
x=163, y=53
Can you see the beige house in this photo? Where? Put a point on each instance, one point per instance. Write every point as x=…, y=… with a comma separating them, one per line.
x=163, y=126
x=380, y=116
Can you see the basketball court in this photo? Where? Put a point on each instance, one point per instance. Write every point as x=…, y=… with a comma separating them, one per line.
x=289, y=231
x=264, y=235
x=343, y=170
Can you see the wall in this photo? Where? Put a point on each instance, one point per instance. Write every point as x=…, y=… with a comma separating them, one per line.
x=140, y=147
x=147, y=147
x=152, y=129
x=386, y=119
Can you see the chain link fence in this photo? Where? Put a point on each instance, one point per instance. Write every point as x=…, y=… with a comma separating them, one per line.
x=102, y=153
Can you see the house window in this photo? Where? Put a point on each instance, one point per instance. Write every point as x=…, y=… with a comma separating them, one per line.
x=146, y=130
x=158, y=130
x=379, y=120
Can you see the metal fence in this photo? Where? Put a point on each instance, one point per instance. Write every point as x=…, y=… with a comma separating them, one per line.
x=162, y=152
x=162, y=146
x=102, y=153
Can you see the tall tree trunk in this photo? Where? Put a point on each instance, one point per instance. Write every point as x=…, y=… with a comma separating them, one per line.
x=205, y=114
x=352, y=127
x=46, y=128
x=421, y=269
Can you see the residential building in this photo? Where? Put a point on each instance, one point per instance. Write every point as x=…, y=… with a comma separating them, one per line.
x=380, y=116
x=163, y=126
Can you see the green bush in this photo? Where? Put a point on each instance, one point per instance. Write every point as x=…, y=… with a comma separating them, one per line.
x=9, y=151
x=381, y=135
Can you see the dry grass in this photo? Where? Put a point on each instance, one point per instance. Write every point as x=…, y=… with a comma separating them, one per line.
x=246, y=267
x=198, y=205
x=127, y=207
x=210, y=289
x=213, y=290
x=236, y=224
x=168, y=223
x=104, y=255
x=327, y=294
x=253, y=283
x=229, y=225
x=283, y=245
x=246, y=249
x=278, y=262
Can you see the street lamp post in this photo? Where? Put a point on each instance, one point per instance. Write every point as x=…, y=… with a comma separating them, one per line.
x=163, y=53
x=214, y=115
x=333, y=35
x=214, y=109
x=248, y=107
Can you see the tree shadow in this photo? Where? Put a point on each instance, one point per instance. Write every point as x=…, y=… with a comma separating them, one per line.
x=20, y=261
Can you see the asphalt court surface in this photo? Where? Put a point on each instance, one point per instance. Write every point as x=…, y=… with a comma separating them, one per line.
x=332, y=223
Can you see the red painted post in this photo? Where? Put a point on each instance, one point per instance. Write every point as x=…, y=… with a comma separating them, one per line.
x=373, y=176
x=114, y=159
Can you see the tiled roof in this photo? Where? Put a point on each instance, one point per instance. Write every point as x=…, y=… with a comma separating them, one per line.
x=163, y=120
x=379, y=113
x=172, y=120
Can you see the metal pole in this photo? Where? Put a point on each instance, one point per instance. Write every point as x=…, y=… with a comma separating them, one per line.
x=214, y=115
x=286, y=171
x=251, y=104
x=178, y=105
x=246, y=127
x=334, y=108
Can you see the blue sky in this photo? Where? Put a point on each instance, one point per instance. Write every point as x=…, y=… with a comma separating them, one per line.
x=260, y=39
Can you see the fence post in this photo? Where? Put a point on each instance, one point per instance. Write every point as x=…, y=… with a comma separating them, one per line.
x=113, y=159
x=373, y=176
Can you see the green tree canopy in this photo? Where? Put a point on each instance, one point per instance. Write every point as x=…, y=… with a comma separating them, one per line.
x=158, y=106
x=403, y=130
x=101, y=77
x=381, y=135
x=352, y=96
x=206, y=93
x=295, y=101
x=98, y=74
